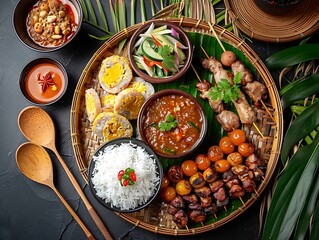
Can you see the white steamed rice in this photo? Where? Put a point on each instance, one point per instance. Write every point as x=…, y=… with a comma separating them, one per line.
x=119, y=157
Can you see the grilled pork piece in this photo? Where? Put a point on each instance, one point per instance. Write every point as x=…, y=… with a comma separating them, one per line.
x=180, y=218
x=197, y=215
x=236, y=191
x=203, y=191
x=190, y=198
x=244, y=110
x=205, y=201
x=256, y=91
x=237, y=67
x=214, y=66
x=216, y=105
x=228, y=120
x=178, y=202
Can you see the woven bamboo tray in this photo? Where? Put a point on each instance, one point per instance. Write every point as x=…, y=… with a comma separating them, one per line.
x=155, y=218
x=268, y=23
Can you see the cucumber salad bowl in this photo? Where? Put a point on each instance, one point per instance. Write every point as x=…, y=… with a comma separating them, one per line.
x=160, y=52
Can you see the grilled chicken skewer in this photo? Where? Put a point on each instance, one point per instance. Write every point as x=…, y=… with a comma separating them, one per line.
x=257, y=91
x=227, y=119
x=244, y=110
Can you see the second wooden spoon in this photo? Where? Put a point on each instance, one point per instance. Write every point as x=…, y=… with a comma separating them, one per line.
x=37, y=126
x=35, y=163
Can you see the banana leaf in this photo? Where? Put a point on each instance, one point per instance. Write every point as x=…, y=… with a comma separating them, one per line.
x=305, y=216
x=301, y=90
x=187, y=83
x=293, y=55
x=307, y=121
x=291, y=192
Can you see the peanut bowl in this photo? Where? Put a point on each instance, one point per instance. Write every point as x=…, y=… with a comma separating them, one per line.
x=46, y=26
x=160, y=52
x=173, y=123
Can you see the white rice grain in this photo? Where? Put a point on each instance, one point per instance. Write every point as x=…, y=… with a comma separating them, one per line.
x=119, y=157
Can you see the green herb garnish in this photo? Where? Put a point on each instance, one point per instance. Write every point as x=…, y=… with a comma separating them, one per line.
x=169, y=60
x=169, y=150
x=190, y=123
x=169, y=123
x=225, y=91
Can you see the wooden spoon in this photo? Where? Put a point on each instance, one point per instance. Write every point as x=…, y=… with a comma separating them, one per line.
x=37, y=126
x=35, y=163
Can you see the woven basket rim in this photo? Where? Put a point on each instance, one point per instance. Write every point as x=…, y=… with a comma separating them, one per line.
x=263, y=22
x=200, y=27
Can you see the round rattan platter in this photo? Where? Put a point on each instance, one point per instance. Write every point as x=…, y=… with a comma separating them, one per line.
x=155, y=217
x=274, y=24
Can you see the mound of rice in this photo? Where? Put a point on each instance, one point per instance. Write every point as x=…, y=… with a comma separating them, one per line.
x=119, y=157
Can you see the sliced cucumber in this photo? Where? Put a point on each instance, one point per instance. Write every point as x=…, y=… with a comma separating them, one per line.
x=165, y=41
x=161, y=28
x=150, y=52
x=159, y=72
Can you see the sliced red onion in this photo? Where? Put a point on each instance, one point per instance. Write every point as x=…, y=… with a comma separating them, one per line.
x=174, y=33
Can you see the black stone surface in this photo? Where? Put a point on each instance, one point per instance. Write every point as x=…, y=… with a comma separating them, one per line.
x=32, y=211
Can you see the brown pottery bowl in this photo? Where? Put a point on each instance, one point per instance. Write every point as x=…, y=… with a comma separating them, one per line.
x=32, y=77
x=19, y=21
x=184, y=39
x=155, y=98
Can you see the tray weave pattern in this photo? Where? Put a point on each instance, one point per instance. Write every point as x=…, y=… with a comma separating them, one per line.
x=268, y=23
x=155, y=218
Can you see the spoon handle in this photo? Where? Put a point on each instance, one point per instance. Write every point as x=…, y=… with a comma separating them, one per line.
x=74, y=215
x=86, y=202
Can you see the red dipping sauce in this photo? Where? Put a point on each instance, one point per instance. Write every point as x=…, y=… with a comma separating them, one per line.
x=44, y=83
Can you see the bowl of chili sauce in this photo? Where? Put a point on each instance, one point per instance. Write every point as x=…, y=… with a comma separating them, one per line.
x=43, y=81
x=173, y=123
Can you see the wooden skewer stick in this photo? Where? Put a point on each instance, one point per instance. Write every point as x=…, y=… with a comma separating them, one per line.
x=202, y=223
x=187, y=227
x=256, y=192
x=258, y=130
x=204, y=52
x=199, y=79
x=267, y=110
x=216, y=36
x=242, y=201
x=225, y=208
x=215, y=215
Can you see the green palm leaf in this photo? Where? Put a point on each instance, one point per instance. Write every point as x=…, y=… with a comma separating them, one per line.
x=315, y=231
x=303, y=125
x=301, y=90
x=291, y=192
x=306, y=214
x=293, y=55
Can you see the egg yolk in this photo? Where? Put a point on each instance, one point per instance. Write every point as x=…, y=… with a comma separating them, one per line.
x=108, y=100
x=90, y=103
x=113, y=129
x=113, y=75
x=133, y=104
x=140, y=87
